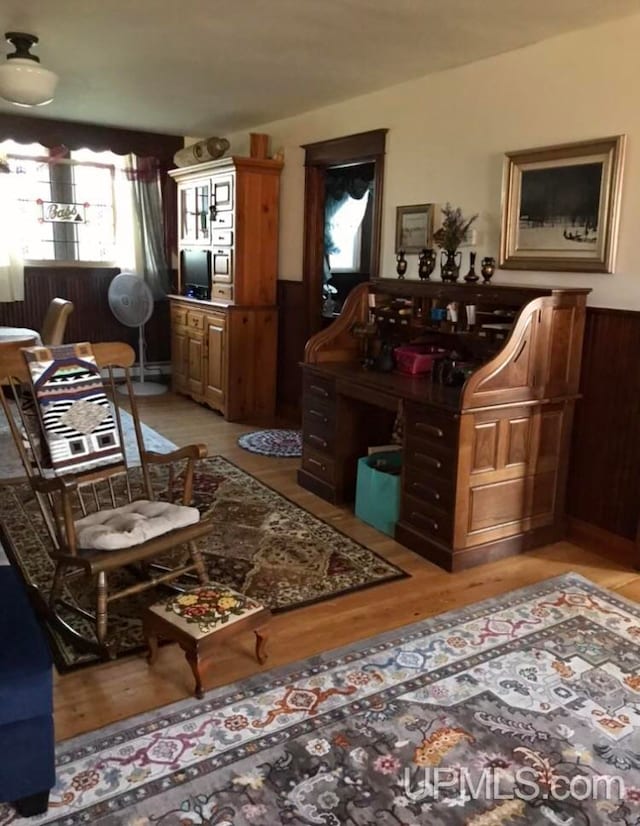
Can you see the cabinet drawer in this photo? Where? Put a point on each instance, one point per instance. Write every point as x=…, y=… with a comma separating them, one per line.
x=318, y=464
x=195, y=321
x=426, y=519
x=179, y=316
x=317, y=387
x=436, y=460
x=224, y=237
x=221, y=220
x=224, y=291
x=432, y=425
x=430, y=489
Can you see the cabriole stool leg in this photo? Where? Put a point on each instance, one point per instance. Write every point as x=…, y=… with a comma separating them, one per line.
x=262, y=637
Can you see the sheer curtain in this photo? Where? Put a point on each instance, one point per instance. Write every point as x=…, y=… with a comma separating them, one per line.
x=11, y=263
x=144, y=177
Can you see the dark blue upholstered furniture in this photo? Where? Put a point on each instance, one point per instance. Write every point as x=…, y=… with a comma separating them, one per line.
x=27, y=767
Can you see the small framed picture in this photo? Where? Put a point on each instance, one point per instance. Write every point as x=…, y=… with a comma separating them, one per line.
x=561, y=207
x=414, y=227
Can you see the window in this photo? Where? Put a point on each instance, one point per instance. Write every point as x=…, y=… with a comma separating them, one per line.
x=65, y=203
x=346, y=234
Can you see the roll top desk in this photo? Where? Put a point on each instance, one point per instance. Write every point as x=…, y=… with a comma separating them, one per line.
x=484, y=463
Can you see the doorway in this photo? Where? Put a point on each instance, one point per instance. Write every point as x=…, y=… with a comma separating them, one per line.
x=342, y=221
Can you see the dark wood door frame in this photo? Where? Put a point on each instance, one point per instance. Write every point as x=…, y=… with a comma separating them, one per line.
x=365, y=147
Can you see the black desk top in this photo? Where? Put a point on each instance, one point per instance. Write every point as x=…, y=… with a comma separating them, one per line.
x=418, y=389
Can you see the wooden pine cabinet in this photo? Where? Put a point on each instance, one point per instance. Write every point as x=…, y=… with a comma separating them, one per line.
x=225, y=356
x=224, y=348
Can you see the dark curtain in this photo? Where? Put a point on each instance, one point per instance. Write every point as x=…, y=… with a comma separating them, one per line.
x=341, y=184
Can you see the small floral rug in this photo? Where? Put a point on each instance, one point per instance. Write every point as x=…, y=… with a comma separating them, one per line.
x=523, y=709
x=279, y=443
x=263, y=545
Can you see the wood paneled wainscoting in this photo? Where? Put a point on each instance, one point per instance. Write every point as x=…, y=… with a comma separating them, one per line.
x=292, y=337
x=91, y=320
x=604, y=476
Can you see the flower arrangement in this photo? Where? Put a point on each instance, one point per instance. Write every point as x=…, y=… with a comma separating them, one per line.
x=454, y=228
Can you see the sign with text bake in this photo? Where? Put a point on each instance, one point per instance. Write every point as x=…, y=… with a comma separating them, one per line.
x=57, y=213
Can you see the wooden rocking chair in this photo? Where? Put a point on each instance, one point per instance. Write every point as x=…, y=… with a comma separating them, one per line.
x=102, y=517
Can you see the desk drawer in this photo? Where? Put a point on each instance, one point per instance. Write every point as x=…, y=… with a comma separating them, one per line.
x=433, y=425
x=436, y=492
x=318, y=433
x=428, y=457
x=318, y=464
x=427, y=519
x=318, y=387
x=321, y=441
x=319, y=413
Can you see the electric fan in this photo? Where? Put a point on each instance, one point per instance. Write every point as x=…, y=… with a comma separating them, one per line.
x=131, y=303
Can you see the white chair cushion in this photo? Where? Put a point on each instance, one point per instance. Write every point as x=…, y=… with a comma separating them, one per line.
x=132, y=524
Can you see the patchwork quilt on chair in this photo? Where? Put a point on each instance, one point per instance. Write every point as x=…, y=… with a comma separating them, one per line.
x=77, y=418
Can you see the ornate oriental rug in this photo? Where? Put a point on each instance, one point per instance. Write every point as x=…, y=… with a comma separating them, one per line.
x=521, y=709
x=278, y=442
x=265, y=546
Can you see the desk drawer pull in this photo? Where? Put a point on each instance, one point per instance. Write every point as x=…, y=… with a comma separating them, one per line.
x=432, y=522
x=429, y=460
x=426, y=489
x=324, y=419
x=316, y=463
x=315, y=388
x=318, y=440
x=431, y=429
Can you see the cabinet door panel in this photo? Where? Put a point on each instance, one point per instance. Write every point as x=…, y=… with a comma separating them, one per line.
x=222, y=265
x=179, y=363
x=196, y=364
x=195, y=208
x=222, y=192
x=215, y=389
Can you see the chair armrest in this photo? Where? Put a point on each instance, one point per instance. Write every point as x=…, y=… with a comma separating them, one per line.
x=187, y=452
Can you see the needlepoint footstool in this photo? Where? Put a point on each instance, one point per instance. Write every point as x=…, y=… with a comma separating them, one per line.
x=200, y=619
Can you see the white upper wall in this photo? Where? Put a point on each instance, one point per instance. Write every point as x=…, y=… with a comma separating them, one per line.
x=448, y=133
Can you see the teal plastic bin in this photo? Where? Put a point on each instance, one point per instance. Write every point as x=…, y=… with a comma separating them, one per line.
x=377, y=492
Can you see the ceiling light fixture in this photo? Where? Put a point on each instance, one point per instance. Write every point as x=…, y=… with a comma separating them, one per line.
x=23, y=81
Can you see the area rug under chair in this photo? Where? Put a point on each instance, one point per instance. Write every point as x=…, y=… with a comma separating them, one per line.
x=542, y=683
x=263, y=545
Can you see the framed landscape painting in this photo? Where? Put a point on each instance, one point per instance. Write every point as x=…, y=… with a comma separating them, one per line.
x=414, y=227
x=561, y=206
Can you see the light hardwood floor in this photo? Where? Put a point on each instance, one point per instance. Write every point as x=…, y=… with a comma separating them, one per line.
x=93, y=697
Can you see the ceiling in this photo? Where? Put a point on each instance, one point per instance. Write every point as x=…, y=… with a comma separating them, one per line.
x=202, y=67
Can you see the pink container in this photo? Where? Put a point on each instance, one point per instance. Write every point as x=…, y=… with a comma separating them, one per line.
x=415, y=359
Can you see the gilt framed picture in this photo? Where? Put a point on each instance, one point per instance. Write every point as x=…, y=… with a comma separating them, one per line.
x=414, y=227
x=561, y=207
